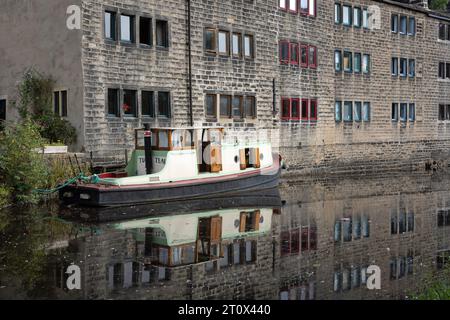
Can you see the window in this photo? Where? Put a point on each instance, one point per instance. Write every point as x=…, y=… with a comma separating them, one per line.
x=338, y=60
x=447, y=70
x=113, y=102
x=295, y=109
x=442, y=70
x=293, y=53
x=250, y=107
x=285, y=109
x=348, y=63
x=403, y=112
x=411, y=26
x=394, y=67
x=394, y=113
x=358, y=111
x=403, y=67
x=357, y=17
x=365, y=18
x=225, y=106
x=347, y=15
x=443, y=31
x=164, y=104
x=126, y=28
x=224, y=43
x=348, y=111
x=442, y=113
x=210, y=105
x=63, y=103
x=403, y=24
x=282, y=4
x=237, y=106
x=313, y=110
x=394, y=23
x=162, y=33
x=129, y=106
x=145, y=31
x=284, y=52
x=210, y=40
x=2, y=110
x=337, y=13
x=412, y=112
x=338, y=111
x=366, y=63
x=412, y=68
x=237, y=45
x=312, y=8
x=292, y=5
x=304, y=56
x=248, y=46
x=110, y=25
x=56, y=103
x=357, y=62
x=304, y=111
x=312, y=57
x=304, y=6
x=366, y=112
x=148, y=104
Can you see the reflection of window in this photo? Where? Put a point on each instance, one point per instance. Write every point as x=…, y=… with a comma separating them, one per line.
x=401, y=266
x=236, y=253
x=249, y=221
x=163, y=256
x=250, y=251
x=163, y=139
x=304, y=237
x=225, y=260
x=402, y=221
x=349, y=277
x=351, y=228
x=443, y=218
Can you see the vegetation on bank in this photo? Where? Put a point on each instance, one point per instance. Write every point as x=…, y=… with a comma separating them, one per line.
x=436, y=286
x=23, y=169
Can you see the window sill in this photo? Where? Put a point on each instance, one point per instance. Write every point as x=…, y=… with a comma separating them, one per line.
x=130, y=118
x=163, y=49
x=111, y=42
x=127, y=44
x=145, y=46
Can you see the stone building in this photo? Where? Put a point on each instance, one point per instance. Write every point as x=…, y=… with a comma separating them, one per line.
x=336, y=86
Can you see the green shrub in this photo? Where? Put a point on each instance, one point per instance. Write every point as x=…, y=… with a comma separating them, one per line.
x=439, y=4
x=21, y=168
x=5, y=196
x=35, y=103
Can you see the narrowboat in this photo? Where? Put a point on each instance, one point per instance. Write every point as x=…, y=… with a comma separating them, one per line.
x=180, y=163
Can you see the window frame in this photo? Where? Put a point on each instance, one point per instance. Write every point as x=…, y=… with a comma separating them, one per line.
x=291, y=117
x=283, y=43
x=169, y=106
x=395, y=112
x=351, y=111
x=394, y=67
x=302, y=102
x=412, y=112
x=289, y=6
x=132, y=28
x=214, y=42
x=150, y=20
x=166, y=34
x=254, y=114
x=304, y=46
x=297, y=61
x=350, y=70
x=251, y=48
x=340, y=60
x=239, y=54
x=366, y=111
x=357, y=112
x=152, y=106
x=366, y=71
x=357, y=10
x=403, y=62
x=314, y=64
x=227, y=43
x=229, y=97
x=112, y=25
x=355, y=64
x=411, y=68
x=365, y=18
x=350, y=22
x=313, y=117
x=285, y=8
x=214, y=107
x=283, y=116
x=395, y=19
x=303, y=11
x=338, y=111
x=241, y=106
x=116, y=113
x=405, y=118
x=408, y=31
x=337, y=9
x=405, y=18
x=134, y=108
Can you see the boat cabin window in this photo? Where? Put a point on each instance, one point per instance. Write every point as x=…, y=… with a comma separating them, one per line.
x=249, y=221
x=250, y=158
x=211, y=153
x=167, y=139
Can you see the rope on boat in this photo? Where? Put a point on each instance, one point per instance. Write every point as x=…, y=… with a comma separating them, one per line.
x=92, y=179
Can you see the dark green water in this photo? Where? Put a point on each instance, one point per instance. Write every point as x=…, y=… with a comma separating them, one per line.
x=315, y=241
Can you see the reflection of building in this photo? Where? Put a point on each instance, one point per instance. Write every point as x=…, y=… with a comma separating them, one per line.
x=320, y=246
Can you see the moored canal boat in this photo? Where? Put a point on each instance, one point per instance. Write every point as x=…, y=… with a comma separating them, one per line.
x=174, y=164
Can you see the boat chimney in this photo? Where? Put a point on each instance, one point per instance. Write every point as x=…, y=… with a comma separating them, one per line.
x=148, y=149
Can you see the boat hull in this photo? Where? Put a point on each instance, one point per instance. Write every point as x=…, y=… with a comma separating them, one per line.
x=104, y=196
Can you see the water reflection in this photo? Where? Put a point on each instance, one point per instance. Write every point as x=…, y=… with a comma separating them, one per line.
x=317, y=245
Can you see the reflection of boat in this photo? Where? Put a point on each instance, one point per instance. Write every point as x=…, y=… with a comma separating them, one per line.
x=253, y=198
x=170, y=163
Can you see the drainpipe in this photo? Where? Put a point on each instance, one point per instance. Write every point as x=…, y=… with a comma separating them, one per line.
x=191, y=116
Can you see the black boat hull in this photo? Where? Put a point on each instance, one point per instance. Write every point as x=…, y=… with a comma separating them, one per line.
x=118, y=196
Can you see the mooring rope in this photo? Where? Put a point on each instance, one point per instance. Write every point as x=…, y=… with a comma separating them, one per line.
x=81, y=177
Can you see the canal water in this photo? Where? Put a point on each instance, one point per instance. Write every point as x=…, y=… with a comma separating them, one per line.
x=309, y=239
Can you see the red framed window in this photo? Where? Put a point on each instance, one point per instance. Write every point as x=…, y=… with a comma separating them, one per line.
x=313, y=109
x=304, y=55
x=304, y=7
x=295, y=241
x=285, y=108
x=292, y=5
x=312, y=8
x=305, y=113
x=293, y=53
x=285, y=243
x=284, y=52
x=312, y=56
x=295, y=109
x=282, y=4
